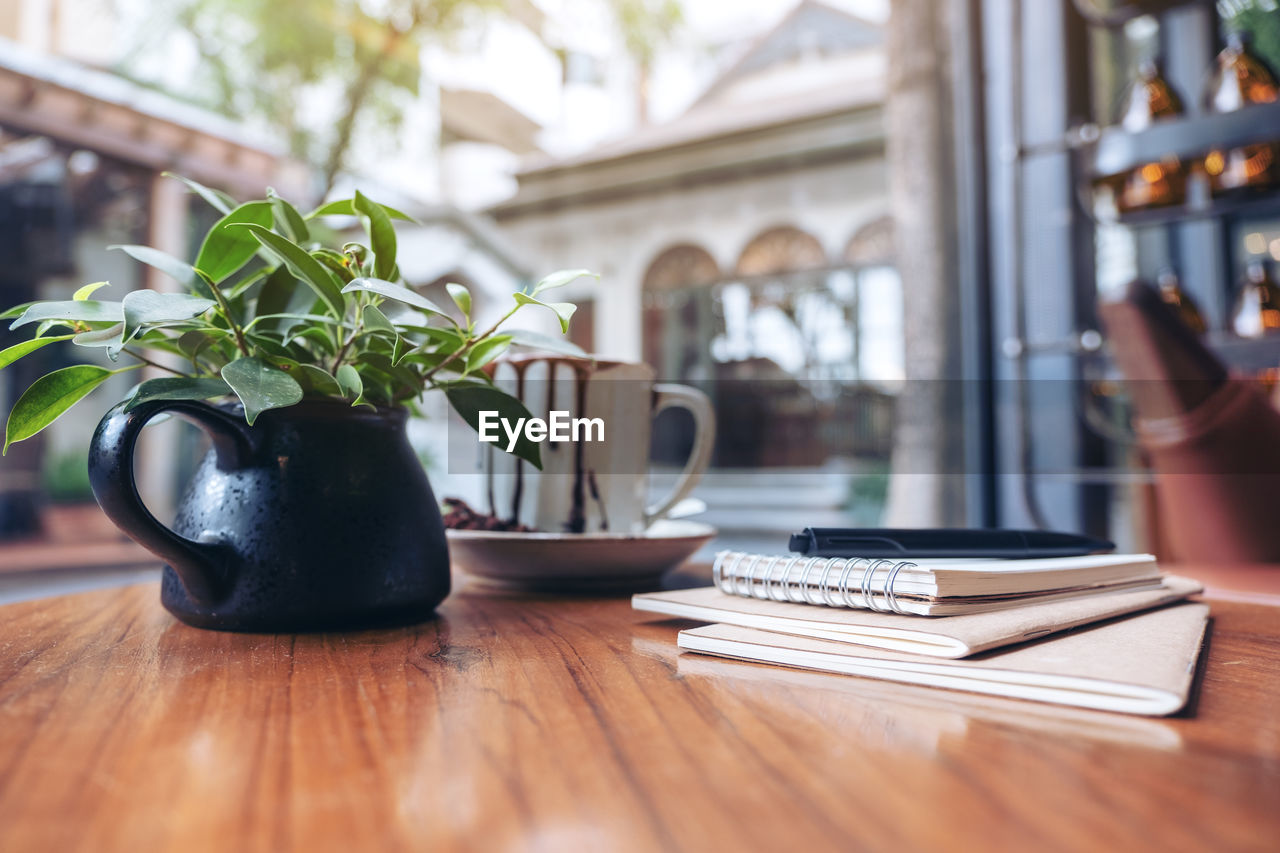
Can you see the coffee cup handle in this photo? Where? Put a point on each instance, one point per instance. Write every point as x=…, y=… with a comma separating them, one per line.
x=666, y=396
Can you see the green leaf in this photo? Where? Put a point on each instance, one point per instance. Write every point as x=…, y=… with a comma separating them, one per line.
x=85, y=311
x=301, y=264
x=346, y=207
x=180, y=271
x=564, y=310
x=201, y=342
x=11, y=354
x=242, y=286
x=109, y=337
x=317, y=337
x=260, y=386
x=486, y=351
x=398, y=292
x=461, y=297
x=382, y=235
x=336, y=262
x=226, y=247
x=376, y=321
x=277, y=296
x=546, y=343
x=377, y=387
x=157, y=339
x=320, y=380
x=85, y=292
x=400, y=349
x=269, y=345
x=384, y=365
x=217, y=199
x=50, y=396
x=177, y=388
x=559, y=279
x=149, y=308
x=349, y=381
x=430, y=360
x=380, y=382
x=444, y=338
x=287, y=218
x=470, y=400
x=320, y=319
x=16, y=311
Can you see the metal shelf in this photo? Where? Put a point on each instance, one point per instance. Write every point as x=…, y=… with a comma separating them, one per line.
x=1088, y=9
x=1250, y=207
x=1247, y=354
x=1117, y=151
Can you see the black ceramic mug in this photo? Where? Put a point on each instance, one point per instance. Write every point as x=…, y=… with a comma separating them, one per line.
x=317, y=517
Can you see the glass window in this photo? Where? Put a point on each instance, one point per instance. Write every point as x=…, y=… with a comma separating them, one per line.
x=800, y=365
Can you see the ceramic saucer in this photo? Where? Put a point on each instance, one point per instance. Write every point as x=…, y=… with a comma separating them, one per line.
x=562, y=562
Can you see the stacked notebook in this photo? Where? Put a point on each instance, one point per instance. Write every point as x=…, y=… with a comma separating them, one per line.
x=1102, y=631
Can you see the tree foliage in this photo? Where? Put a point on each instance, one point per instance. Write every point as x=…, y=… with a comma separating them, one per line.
x=313, y=70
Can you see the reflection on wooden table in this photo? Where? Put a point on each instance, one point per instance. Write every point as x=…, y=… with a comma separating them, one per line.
x=904, y=715
x=516, y=722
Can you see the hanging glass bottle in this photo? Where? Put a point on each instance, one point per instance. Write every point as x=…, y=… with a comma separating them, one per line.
x=1160, y=183
x=1257, y=310
x=1240, y=79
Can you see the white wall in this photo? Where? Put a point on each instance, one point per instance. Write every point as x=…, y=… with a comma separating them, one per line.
x=620, y=239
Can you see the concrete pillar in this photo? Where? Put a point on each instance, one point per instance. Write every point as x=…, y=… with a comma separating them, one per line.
x=158, y=447
x=925, y=488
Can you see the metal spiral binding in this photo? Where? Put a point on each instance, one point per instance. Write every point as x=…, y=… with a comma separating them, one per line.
x=792, y=579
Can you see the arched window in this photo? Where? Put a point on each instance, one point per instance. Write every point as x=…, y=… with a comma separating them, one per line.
x=676, y=281
x=781, y=250
x=680, y=266
x=778, y=316
x=783, y=343
x=872, y=244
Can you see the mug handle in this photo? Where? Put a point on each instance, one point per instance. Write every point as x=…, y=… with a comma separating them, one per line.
x=201, y=566
x=666, y=396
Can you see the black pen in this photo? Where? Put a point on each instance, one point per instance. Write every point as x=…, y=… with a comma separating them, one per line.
x=915, y=543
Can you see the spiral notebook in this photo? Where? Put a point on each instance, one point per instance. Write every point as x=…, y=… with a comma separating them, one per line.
x=932, y=587
x=1141, y=664
x=943, y=637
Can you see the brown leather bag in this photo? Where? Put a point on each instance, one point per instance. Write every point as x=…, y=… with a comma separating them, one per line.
x=1213, y=440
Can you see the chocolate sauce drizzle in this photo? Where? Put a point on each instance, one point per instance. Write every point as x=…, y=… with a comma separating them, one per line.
x=595, y=495
x=577, y=520
x=517, y=493
x=577, y=514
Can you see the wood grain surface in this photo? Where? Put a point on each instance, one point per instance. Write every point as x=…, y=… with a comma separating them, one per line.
x=554, y=723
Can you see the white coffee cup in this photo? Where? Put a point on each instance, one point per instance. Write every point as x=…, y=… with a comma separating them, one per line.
x=597, y=483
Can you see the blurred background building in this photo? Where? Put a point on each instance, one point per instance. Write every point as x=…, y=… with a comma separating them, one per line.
x=745, y=245
x=721, y=167
x=876, y=233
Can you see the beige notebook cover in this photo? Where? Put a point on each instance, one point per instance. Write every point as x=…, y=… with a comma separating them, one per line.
x=940, y=636
x=1142, y=664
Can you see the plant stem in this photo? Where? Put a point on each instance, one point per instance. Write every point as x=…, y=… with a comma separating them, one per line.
x=469, y=344
x=155, y=364
x=225, y=308
x=346, y=345
x=356, y=329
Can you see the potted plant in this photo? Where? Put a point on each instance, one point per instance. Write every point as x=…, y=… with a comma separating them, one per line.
x=302, y=362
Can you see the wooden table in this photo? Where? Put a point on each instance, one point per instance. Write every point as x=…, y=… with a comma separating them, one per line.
x=548, y=723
